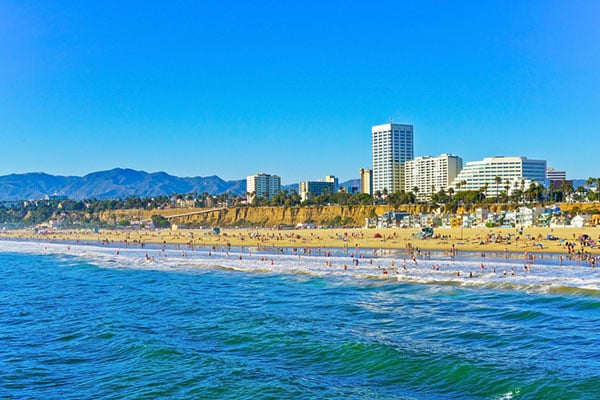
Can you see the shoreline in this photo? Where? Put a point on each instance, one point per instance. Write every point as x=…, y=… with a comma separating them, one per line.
x=498, y=241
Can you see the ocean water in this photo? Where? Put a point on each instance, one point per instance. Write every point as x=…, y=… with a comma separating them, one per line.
x=85, y=322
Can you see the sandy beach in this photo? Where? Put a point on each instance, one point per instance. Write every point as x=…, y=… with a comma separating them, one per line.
x=485, y=240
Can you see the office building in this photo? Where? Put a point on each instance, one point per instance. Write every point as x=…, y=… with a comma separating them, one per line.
x=392, y=146
x=427, y=175
x=310, y=189
x=263, y=186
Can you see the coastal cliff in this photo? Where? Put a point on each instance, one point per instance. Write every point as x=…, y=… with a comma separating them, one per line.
x=276, y=216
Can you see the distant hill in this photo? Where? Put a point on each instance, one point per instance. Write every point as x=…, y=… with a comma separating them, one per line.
x=115, y=183
x=352, y=183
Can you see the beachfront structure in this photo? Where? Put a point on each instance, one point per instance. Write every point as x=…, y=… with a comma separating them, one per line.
x=310, y=189
x=263, y=186
x=366, y=181
x=580, y=221
x=427, y=175
x=392, y=146
x=494, y=174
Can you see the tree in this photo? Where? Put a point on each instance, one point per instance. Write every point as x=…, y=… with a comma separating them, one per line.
x=451, y=193
x=160, y=222
x=589, y=182
x=498, y=181
x=377, y=196
x=415, y=190
x=566, y=189
x=580, y=192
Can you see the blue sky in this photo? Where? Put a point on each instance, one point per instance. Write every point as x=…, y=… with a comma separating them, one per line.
x=292, y=88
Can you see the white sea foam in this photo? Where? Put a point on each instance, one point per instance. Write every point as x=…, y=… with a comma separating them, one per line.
x=547, y=277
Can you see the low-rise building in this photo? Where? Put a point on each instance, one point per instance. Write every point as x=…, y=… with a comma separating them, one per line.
x=580, y=220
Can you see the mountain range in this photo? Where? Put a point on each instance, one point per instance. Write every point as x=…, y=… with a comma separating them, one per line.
x=117, y=183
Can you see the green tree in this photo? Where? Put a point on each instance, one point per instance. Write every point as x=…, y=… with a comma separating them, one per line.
x=498, y=181
x=160, y=222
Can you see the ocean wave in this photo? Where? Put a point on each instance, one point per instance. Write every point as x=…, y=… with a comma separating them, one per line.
x=497, y=274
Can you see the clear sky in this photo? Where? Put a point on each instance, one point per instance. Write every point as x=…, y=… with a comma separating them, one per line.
x=232, y=88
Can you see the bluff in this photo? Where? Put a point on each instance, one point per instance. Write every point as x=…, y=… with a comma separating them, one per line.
x=275, y=216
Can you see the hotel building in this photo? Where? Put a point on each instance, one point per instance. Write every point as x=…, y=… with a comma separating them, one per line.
x=477, y=175
x=263, y=186
x=431, y=174
x=310, y=189
x=392, y=146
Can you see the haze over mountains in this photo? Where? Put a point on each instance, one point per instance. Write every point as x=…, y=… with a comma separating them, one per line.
x=117, y=183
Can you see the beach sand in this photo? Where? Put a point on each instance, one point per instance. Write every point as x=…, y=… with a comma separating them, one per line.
x=485, y=240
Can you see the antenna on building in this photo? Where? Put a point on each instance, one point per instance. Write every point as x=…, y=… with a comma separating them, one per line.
x=391, y=120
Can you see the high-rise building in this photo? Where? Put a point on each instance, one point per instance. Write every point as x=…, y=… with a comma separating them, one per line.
x=427, y=175
x=309, y=189
x=392, y=146
x=366, y=181
x=263, y=186
x=494, y=174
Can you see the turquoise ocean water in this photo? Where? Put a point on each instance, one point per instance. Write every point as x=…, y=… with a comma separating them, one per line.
x=86, y=322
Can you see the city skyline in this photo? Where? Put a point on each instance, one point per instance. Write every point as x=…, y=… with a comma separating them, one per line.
x=229, y=89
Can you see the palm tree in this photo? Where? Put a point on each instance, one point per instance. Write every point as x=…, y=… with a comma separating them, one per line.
x=498, y=181
x=589, y=182
x=377, y=196
x=482, y=192
x=451, y=193
x=566, y=189
x=580, y=192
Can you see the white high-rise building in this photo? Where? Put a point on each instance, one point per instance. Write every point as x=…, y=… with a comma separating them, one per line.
x=262, y=185
x=427, y=175
x=392, y=146
x=514, y=172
